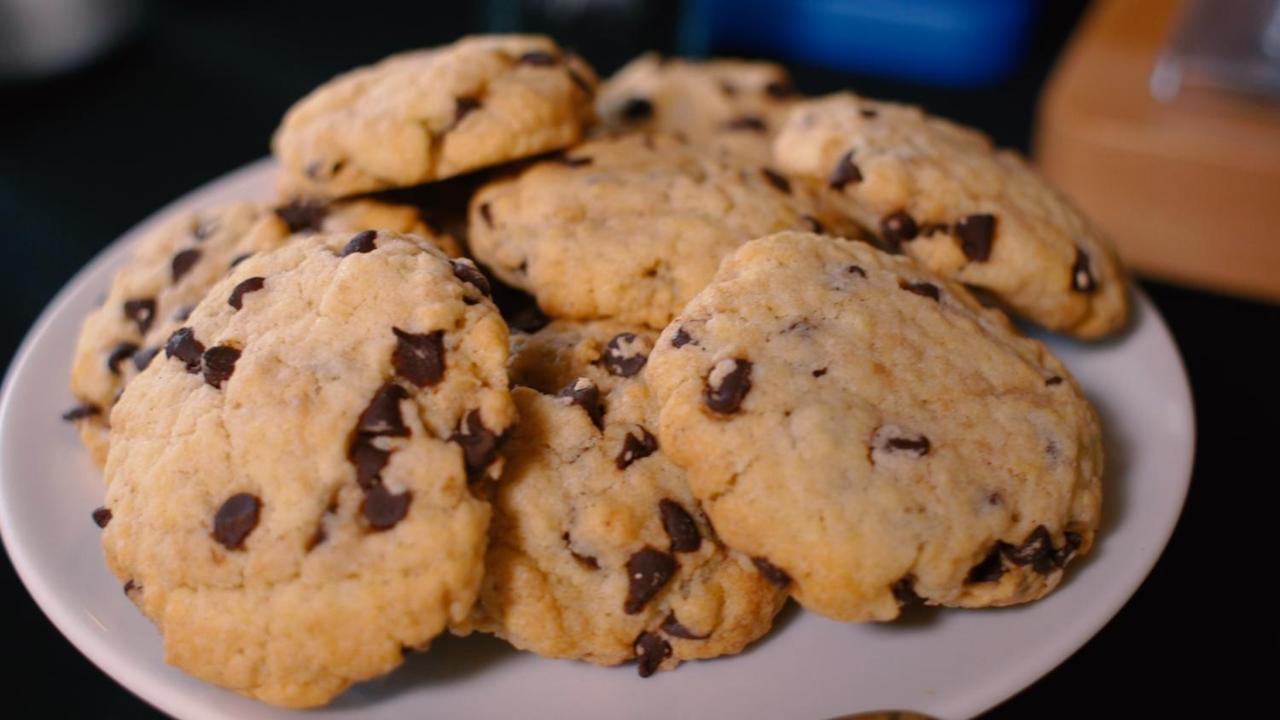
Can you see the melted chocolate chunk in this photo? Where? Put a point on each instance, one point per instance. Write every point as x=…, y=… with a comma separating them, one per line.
x=101, y=517
x=904, y=590
x=621, y=357
x=845, y=172
x=463, y=107
x=183, y=262
x=819, y=372
x=681, y=338
x=585, y=561
x=584, y=393
x=672, y=627
x=141, y=311
x=1082, y=279
x=470, y=274
x=991, y=569
x=772, y=573
x=637, y=109
x=383, y=509
x=142, y=359
x=753, y=123
x=130, y=586
x=635, y=448
x=651, y=650
x=727, y=385
x=237, y=517
x=923, y=289
x=1070, y=544
x=538, y=58
x=680, y=526
x=897, y=228
x=419, y=358
x=777, y=181
x=382, y=416
x=183, y=345
x=976, y=233
x=119, y=354
x=302, y=216
x=81, y=412
x=219, y=363
x=369, y=461
x=479, y=443
x=647, y=572
x=362, y=242
x=253, y=284
x=1037, y=551
x=1055, y=380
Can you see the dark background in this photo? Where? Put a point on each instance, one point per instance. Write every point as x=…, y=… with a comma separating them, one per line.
x=198, y=89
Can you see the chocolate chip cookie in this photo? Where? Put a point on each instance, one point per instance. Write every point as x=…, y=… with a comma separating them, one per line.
x=871, y=435
x=295, y=487
x=627, y=227
x=598, y=551
x=431, y=114
x=978, y=215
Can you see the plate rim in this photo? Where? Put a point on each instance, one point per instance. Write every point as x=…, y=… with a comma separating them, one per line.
x=171, y=699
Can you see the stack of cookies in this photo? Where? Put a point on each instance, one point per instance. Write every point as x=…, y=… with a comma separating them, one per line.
x=609, y=372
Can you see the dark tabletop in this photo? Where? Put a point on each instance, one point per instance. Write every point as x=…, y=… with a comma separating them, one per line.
x=197, y=91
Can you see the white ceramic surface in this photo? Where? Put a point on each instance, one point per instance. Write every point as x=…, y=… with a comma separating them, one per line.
x=946, y=663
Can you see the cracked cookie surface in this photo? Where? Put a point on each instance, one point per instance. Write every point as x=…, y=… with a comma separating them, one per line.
x=872, y=434
x=942, y=194
x=598, y=551
x=431, y=114
x=292, y=485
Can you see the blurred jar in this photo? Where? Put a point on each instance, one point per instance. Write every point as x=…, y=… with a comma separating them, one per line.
x=39, y=38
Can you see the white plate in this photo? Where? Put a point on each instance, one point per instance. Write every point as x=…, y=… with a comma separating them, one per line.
x=946, y=663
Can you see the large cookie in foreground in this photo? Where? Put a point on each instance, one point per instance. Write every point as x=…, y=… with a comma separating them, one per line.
x=873, y=434
x=431, y=114
x=628, y=227
x=978, y=215
x=598, y=551
x=293, y=486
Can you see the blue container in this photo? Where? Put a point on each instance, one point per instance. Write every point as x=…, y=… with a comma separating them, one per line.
x=964, y=43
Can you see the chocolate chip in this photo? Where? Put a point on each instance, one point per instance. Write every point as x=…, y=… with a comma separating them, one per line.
x=1055, y=380
x=463, y=107
x=727, y=385
x=419, y=358
x=527, y=319
x=237, y=517
x=1070, y=544
x=183, y=262
x=776, y=180
x=904, y=590
x=635, y=448
x=537, y=58
x=754, y=123
x=624, y=355
x=893, y=439
x=845, y=172
x=141, y=311
x=681, y=338
x=467, y=272
x=101, y=517
x=1037, y=550
x=647, y=571
x=382, y=416
x=479, y=443
x=237, y=260
x=636, y=109
x=672, y=627
x=486, y=213
x=855, y=270
x=771, y=572
x=383, y=509
x=584, y=560
x=142, y=359
x=679, y=525
x=119, y=354
x=219, y=363
x=369, y=461
x=779, y=89
x=989, y=570
x=574, y=162
x=252, y=284
x=81, y=412
x=584, y=393
x=976, y=233
x=183, y=345
x=301, y=215
x=581, y=82
x=923, y=289
x=362, y=242
x=814, y=224
x=819, y=372
x=650, y=650
x=1082, y=279
x=898, y=227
